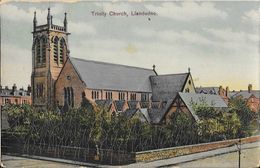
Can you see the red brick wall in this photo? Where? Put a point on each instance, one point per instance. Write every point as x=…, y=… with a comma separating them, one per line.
x=185, y=150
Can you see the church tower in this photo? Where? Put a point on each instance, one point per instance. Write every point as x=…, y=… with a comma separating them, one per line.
x=49, y=52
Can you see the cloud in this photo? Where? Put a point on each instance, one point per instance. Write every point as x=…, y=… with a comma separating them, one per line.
x=173, y=36
x=187, y=11
x=118, y=6
x=252, y=16
x=80, y=28
x=14, y=13
x=230, y=36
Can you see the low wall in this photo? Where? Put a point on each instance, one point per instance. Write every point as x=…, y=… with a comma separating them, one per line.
x=190, y=149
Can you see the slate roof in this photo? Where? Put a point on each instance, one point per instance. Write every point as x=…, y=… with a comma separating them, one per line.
x=165, y=87
x=9, y=92
x=100, y=75
x=144, y=104
x=132, y=104
x=211, y=100
x=119, y=105
x=156, y=114
x=245, y=94
x=207, y=90
x=129, y=113
x=104, y=103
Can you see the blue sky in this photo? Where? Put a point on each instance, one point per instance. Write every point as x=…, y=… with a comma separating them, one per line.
x=219, y=41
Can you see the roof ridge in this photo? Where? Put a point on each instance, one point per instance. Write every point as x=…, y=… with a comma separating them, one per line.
x=171, y=74
x=108, y=63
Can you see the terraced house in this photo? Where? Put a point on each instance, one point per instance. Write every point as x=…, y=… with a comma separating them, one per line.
x=59, y=79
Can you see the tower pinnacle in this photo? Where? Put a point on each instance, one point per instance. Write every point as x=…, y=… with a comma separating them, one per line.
x=65, y=21
x=49, y=18
x=34, y=21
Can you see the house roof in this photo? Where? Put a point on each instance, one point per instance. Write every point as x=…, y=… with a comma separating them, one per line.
x=129, y=112
x=119, y=105
x=211, y=100
x=100, y=75
x=245, y=94
x=207, y=90
x=165, y=87
x=104, y=103
x=132, y=104
x=156, y=114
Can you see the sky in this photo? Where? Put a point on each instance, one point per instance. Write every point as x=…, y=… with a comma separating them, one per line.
x=219, y=41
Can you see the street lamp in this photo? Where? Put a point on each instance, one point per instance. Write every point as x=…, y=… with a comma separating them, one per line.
x=239, y=151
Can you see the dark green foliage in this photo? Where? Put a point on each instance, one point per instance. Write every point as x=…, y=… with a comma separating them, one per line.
x=89, y=126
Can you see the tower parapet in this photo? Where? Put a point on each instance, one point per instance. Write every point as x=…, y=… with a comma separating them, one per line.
x=50, y=25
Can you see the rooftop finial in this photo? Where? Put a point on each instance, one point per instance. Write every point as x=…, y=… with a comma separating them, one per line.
x=188, y=69
x=154, y=70
x=65, y=21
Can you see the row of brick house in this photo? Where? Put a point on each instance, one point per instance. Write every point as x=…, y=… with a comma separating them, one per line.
x=14, y=95
x=252, y=97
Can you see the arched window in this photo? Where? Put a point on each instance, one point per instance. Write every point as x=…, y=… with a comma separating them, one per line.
x=43, y=49
x=69, y=96
x=38, y=51
x=62, y=50
x=55, y=49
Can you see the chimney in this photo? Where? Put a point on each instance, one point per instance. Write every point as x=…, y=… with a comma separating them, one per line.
x=220, y=90
x=29, y=89
x=250, y=87
x=227, y=91
x=14, y=89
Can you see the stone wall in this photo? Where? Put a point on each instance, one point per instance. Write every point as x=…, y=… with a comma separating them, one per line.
x=190, y=149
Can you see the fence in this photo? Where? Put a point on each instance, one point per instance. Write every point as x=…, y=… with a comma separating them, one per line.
x=105, y=156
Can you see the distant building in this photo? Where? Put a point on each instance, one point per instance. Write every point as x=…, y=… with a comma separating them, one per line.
x=223, y=93
x=184, y=102
x=251, y=96
x=15, y=96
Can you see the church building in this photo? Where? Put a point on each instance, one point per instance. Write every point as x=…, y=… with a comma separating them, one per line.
x=59, y=79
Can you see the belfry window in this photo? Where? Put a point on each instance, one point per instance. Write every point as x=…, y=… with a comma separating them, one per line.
x=38, y=51
x=55, y=49
x=61, y=50
x=43, y=48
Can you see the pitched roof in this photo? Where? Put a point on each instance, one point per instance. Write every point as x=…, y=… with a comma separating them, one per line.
x=100, y=75
x=166, y=87
x=207, y=90
x=156, y=114
x=119, y=105
x=211, y=100
x=132, y=104
x=129, y=112
x=104, y=103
